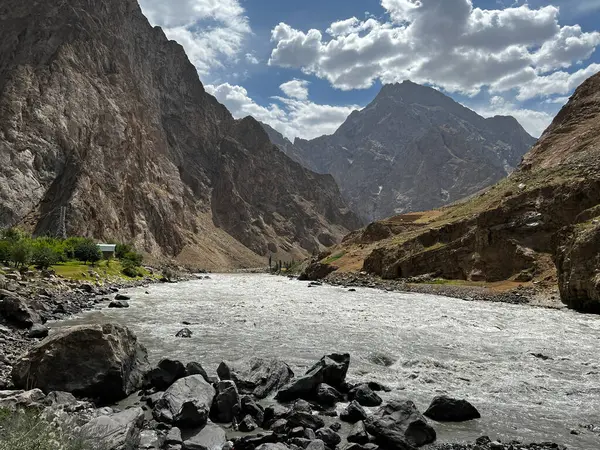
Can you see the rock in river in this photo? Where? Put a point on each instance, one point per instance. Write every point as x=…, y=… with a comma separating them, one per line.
x=365, y=396
x=118, y=304
x=186, y=403
x=353, y=413
x=446, y=409
x=184, y=333
x=102, y=362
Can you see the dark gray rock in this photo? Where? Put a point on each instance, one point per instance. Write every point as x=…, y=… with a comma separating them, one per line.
x=256, y=376
x=353, y=413
x=226, y=403
x=247, y=424
x=327, y=395
x=279, y=426
x=210, y=437
x=358, y=434
x=399, y=426
x=186, y=403
x=305, y=420
x=118, y=304
x=365, y=396
x=102, y=362
x=446, y=409
x=15, y=310
x=330, y=437
x=38, y=331
x=60, y=399
x=194, y=368
x=173, y=436
x=302, y=405
x=122, y=297
x=330, y=369
x=184, y=333
x=274, y=413
x=165, y=374
x=253, y=409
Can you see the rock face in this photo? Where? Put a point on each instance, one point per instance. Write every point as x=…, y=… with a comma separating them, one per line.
x=136, y=150
x=186, y=403
x=102, y=362
x=412, y=149
x=511, y=231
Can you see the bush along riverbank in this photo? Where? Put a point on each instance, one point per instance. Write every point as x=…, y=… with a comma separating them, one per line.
x=94, y=383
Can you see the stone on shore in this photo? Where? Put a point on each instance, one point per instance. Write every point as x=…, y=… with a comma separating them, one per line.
x=165, y=374
x=330, y=437
x=358, y=435
x=327, y=395
x=194, y=368
x=256, y=376
x=304, y=420
x=446, y=409
x=15, y=310
x=365, y=396
x=353, y=413
x=399, y=426
x=38, y=331
x=226, y=404
x=102, y=362
x=330, y=369
x=120, y=431
x=210, y=437
x=186, y=403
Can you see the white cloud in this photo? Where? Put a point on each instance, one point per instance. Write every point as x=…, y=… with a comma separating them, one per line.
x=250, y=58
x=297, y=89
x=447, y=43
x=211, y=31
x=534, y=122
x=290, y=116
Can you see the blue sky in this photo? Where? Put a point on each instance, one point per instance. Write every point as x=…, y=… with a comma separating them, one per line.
x=303, y=66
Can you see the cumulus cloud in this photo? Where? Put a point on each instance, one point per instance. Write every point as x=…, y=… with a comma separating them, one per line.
x=447, y=43
x=292, y=117
x=297, y=89
x=211, y=31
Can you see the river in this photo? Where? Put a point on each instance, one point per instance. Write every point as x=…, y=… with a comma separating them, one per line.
x=479, y=351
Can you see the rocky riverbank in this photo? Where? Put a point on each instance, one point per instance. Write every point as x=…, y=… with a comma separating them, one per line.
x=518, y=295
x=29, y=299
x=251, y=404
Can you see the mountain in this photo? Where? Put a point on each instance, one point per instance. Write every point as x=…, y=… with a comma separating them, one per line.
x=107, y=131
x=541, y=224
x=412, y=149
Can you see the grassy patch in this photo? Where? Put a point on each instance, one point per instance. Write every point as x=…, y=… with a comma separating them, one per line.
x=334, y=258
x=28, y=430
x=75, y=270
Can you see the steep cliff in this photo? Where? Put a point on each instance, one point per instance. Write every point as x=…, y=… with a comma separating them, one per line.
x=540, y=223
x=105, y=123
x=412, y=149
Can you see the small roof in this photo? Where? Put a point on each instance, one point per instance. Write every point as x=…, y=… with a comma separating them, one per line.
x=107, y=247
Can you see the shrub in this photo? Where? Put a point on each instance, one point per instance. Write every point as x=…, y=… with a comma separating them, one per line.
x=122, y=250
x=5, y=250
x=29, y=430
x=134, y=258
x=86, y=251
x=45, y=254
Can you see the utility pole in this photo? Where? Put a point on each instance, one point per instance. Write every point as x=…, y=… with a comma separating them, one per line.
x=62, y=226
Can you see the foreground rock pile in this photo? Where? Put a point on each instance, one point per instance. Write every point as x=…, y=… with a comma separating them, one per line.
x=180, y=407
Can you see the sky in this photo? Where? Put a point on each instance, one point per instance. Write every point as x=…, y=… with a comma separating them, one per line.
x=304, y=66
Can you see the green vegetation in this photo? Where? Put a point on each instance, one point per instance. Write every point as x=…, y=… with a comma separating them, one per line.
x=334, y=258
x=28, y=430
x=69, y=258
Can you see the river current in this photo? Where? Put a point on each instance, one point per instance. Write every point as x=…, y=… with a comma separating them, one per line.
x=483, y=352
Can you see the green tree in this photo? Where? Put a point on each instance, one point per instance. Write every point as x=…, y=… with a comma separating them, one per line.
x=5, y=251
x=135, y=258
x=122, y=249
x=45, y=253
x=20, y=253
x=86, y=251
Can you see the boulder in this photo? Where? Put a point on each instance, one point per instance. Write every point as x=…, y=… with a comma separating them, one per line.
x=256, y=376
x=446, y=409
x=194, y=368
x=122, y=297
x=358, y=434
x=279, y=426
x=165, y=374
x=365, y=396
x=327, y=395
x=330, y=437
x=184, y=333
x=102, y=362
x=149, y=440
x=15, y=310
x=253, y=409
x=60, y=399
x=316, y=271
x=186, y=403
x=270, y=446
x=274, y=413
x=302, y=405
x=118, y=304
x=252, y=442
x=330, y=369
x=210, y=437
x=353, y=413
x=173, y=436
x=38, y=331
x=121, y=431
x=304, y=420
x=400, y=426
x=227, y=402
x=317, y=444
x=247, y=424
